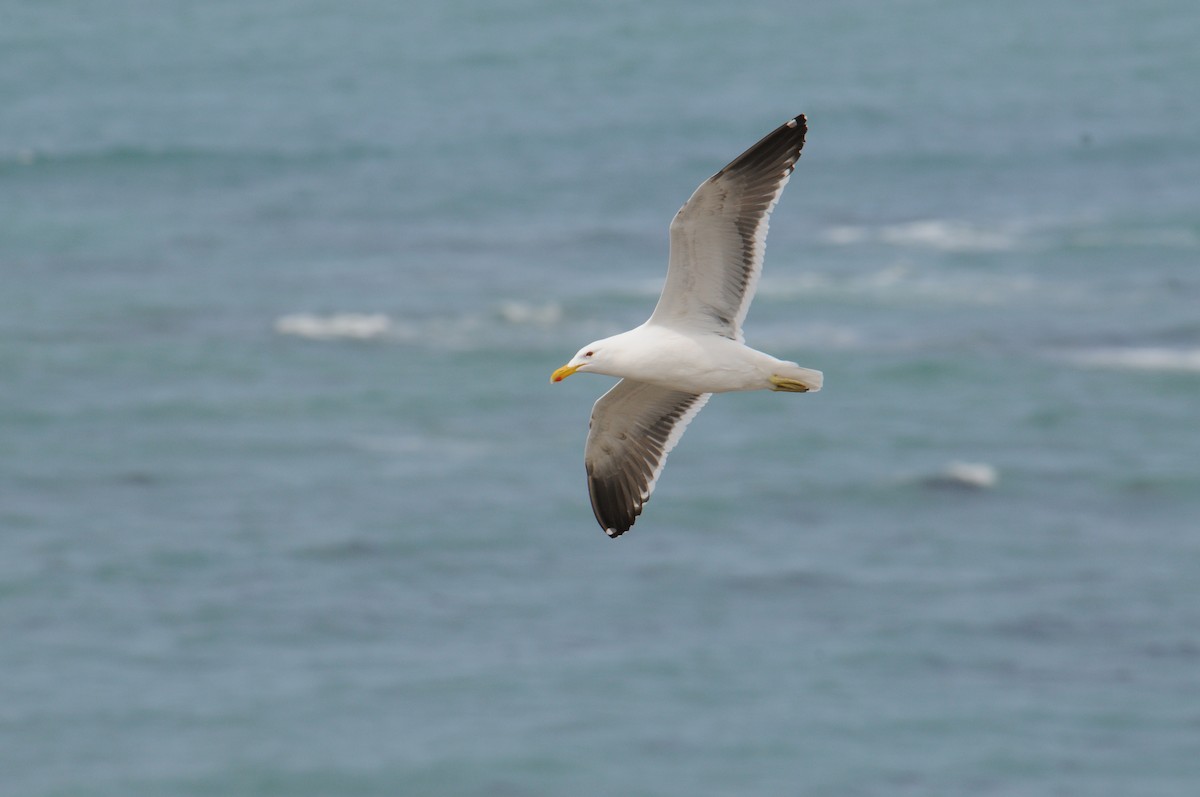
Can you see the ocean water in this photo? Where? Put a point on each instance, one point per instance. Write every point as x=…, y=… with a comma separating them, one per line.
x=289, y=507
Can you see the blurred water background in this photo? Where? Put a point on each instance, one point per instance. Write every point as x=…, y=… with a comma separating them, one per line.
x=289, y=507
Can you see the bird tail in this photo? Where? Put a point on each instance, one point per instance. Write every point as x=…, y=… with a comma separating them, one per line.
x=797, y=379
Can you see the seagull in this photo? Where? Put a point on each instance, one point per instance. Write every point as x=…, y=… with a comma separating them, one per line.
x=692, y=345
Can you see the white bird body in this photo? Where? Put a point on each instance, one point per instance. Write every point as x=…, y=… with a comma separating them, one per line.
x=692, y=345
x=682, y=360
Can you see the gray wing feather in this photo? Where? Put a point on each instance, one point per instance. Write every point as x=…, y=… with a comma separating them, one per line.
x=718, y=237
x=633, y=428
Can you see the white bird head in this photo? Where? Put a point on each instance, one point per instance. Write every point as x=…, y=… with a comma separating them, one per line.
x=589, y=358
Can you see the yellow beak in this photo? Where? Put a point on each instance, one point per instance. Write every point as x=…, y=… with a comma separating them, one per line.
x=563, y=373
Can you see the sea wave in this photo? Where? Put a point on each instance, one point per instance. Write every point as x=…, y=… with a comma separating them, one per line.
x=964, y=475
x=902, y=282
x=943, y=235
x=955, y=475
x=527, y=314
x=1138, y=358
x=465, y=331
x=339, y=326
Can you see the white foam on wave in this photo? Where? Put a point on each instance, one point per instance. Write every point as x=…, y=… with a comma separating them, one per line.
x=901, y=282
x=527, y=314
x=338, y=326
x=507, y=319
x=941, y=234
x=965, y=475
x=1139, y=358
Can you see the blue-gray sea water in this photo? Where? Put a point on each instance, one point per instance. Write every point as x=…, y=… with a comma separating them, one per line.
x=288, y=505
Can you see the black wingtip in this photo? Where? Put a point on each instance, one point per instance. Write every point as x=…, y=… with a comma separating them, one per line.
x=800, y=124
x=782, y=145
x=611, y=505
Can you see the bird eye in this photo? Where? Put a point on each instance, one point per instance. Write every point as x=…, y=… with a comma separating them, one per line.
x=588, y=354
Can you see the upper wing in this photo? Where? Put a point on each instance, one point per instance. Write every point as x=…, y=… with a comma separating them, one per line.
x=718, y=237
x=634, y=426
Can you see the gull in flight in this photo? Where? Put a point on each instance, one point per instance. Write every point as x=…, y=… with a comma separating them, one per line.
x=692, y=346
